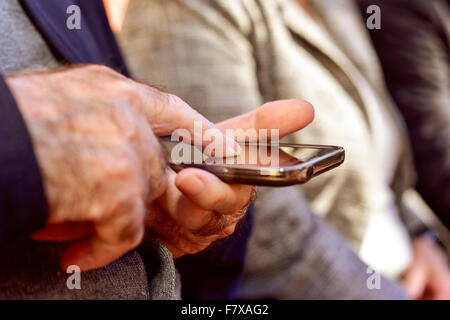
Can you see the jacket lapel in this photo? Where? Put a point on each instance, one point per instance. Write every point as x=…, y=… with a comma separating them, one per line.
x=313, y=33
x=336, y=44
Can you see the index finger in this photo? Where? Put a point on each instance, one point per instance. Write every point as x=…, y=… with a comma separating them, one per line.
x=167, y=114
x=288, y=116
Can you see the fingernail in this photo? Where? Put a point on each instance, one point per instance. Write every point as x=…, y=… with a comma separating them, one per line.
x=228, y=148
x=232, y=147
x=191, y=184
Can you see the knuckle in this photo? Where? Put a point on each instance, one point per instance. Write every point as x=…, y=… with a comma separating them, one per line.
x=165, y=104
x=192, y=249
x=98, y=68
x=178, y=105
x=130, y=94
x=174, y=100
x=155, y=166
x=127, y=122
x=196, y=248
x=129, y=163
x=158, y=184
x=122, y=113
x=126, y=92
x=132, y=231
x=131, y=238
x=228, y=231
x=220, y=199
x=120, y=176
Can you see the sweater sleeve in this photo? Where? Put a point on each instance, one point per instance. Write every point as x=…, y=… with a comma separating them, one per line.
x=23, y=206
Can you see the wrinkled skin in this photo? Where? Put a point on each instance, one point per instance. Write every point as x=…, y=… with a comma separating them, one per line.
x=106, y=180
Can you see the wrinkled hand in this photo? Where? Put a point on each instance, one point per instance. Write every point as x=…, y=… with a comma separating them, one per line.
x=429, y=275
x=93, y=132
x=197, y=207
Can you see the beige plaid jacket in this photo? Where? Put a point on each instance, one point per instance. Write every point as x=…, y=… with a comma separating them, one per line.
x=226, y=57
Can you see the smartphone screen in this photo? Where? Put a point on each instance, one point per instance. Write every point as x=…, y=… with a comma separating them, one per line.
x=251, y=154
x=263, y=164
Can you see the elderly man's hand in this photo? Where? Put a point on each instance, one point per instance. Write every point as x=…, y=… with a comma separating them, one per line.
x=198, y=208
x=93, y=132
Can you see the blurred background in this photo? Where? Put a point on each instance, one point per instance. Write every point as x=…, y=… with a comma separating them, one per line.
x=377, y=72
